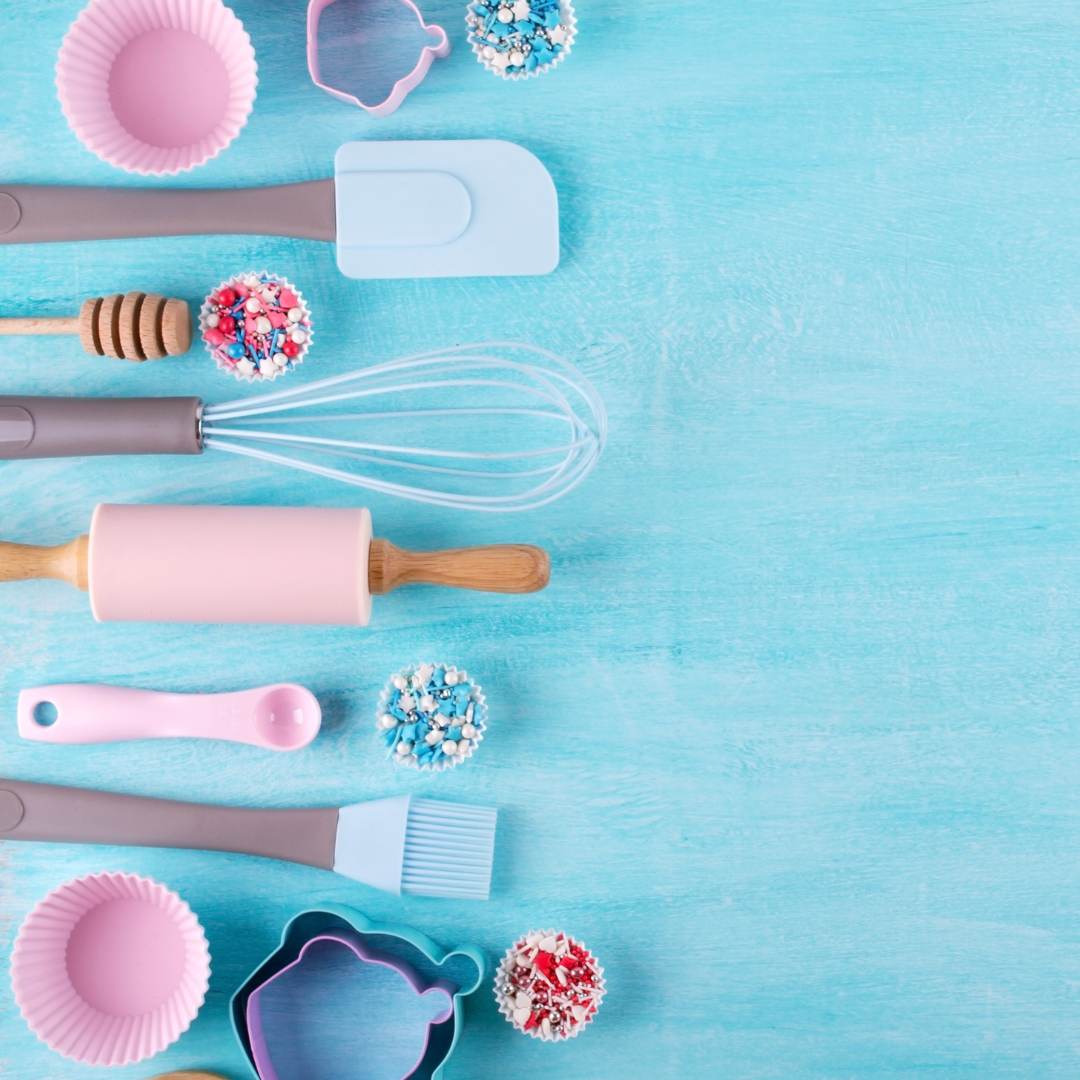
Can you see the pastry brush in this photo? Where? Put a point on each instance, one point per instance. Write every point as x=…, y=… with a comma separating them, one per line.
x=401, y=845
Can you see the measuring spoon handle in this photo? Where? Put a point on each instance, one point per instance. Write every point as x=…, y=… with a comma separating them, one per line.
x=92, y=713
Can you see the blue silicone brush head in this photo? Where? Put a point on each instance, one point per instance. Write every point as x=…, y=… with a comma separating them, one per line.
x=449, y=849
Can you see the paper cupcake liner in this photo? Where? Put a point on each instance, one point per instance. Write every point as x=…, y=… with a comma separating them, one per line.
x=569, y=23
x=52, y=1007
x=85, y=63
x=443, y=761
x=505, y=994
x=226, y=362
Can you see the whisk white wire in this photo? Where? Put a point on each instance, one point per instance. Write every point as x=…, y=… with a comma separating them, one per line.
x=552, y=390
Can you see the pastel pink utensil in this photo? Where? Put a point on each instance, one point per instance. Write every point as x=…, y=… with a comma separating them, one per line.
x=109, y=969
x=156, y=88
x=402, y=87
x=179, y=564
x=283, y=716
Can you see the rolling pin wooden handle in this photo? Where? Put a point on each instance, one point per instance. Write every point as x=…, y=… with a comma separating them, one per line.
x=188, y=1074
x=66, y=562
x=503, y=568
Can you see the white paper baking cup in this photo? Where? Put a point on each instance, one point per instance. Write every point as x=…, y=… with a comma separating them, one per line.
x=225, y=363
x=504, y=995
x=569, y=21
x=443, y=761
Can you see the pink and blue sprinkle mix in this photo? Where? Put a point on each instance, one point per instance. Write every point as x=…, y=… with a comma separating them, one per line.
x=431, y=716
x=256, y=325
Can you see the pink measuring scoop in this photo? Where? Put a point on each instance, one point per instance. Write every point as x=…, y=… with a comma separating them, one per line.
x=283, y=716
x=402, y=86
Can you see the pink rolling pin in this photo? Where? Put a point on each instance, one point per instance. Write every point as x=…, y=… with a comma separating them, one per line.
x=206, y=564
x=279, y=717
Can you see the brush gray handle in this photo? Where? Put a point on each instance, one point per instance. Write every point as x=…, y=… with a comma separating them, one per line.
x=42, y=213
x=46, y=427
x=77, y=816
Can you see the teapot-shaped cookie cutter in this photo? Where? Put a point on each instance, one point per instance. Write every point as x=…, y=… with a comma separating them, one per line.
x=290, y=1018
x=402, y=87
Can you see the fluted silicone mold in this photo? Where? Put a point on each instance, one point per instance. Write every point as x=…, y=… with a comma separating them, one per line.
x=156, y=87
x=109, y=969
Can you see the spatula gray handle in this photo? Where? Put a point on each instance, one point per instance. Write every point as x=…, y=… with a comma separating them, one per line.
x=77, y=816
x=46, y=427
x=42, y=213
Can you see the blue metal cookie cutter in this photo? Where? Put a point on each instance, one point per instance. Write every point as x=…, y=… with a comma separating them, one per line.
x=309, y=1012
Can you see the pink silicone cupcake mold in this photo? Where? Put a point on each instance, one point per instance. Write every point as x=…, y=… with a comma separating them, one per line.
x=110, y=969
x=156, y=86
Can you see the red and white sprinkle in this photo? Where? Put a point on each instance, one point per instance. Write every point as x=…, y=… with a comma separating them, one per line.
x=549, y=985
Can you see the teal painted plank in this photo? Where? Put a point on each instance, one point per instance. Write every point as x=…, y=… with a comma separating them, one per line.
x=806, y=672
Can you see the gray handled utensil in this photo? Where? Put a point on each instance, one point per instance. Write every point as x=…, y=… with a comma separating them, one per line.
x=425, y=208
x=422, y=847
x=514, y=427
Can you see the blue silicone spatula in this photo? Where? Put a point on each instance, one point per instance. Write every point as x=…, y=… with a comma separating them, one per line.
x=396, y=209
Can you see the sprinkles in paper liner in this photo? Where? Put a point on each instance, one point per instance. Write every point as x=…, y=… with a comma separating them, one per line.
x=549, y=985
x=256, y=325
x=519, y=38
x=431, y=717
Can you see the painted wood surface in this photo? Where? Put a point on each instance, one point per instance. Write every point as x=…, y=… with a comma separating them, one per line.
x=791, y=739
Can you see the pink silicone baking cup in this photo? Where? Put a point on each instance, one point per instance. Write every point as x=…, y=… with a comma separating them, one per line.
x=156, y=86
x=110, y=969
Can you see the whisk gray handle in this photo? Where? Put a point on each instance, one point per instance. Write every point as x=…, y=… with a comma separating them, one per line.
x=46, y=427
x=41, y=213
x=78, y=816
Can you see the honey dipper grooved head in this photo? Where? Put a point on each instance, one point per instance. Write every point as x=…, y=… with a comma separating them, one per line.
x=138, y=326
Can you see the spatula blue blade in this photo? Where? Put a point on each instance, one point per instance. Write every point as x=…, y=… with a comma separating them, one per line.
x=444, y=208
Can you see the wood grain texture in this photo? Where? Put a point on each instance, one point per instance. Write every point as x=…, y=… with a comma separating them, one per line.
x=500, y=568
x=175, y=328
x=89, y=333
x=65, y=562
x=189, y=1074
x=137, y=325
x=55, y=325
x=128, y=326
x=791, y=741
x=150, y=326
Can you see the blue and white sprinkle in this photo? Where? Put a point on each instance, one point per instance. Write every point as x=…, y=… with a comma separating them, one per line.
x=519, y=38
x=431, y=717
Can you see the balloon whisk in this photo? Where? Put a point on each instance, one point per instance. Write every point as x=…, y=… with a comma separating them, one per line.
x=496, y=427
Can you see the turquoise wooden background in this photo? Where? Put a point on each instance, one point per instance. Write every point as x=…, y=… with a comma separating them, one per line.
x=791, y=740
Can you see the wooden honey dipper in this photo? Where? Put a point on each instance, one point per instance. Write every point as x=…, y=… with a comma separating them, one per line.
x=136, y=326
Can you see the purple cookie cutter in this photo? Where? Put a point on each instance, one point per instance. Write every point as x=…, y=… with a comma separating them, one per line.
x=402, y=86
x=296, y=1017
